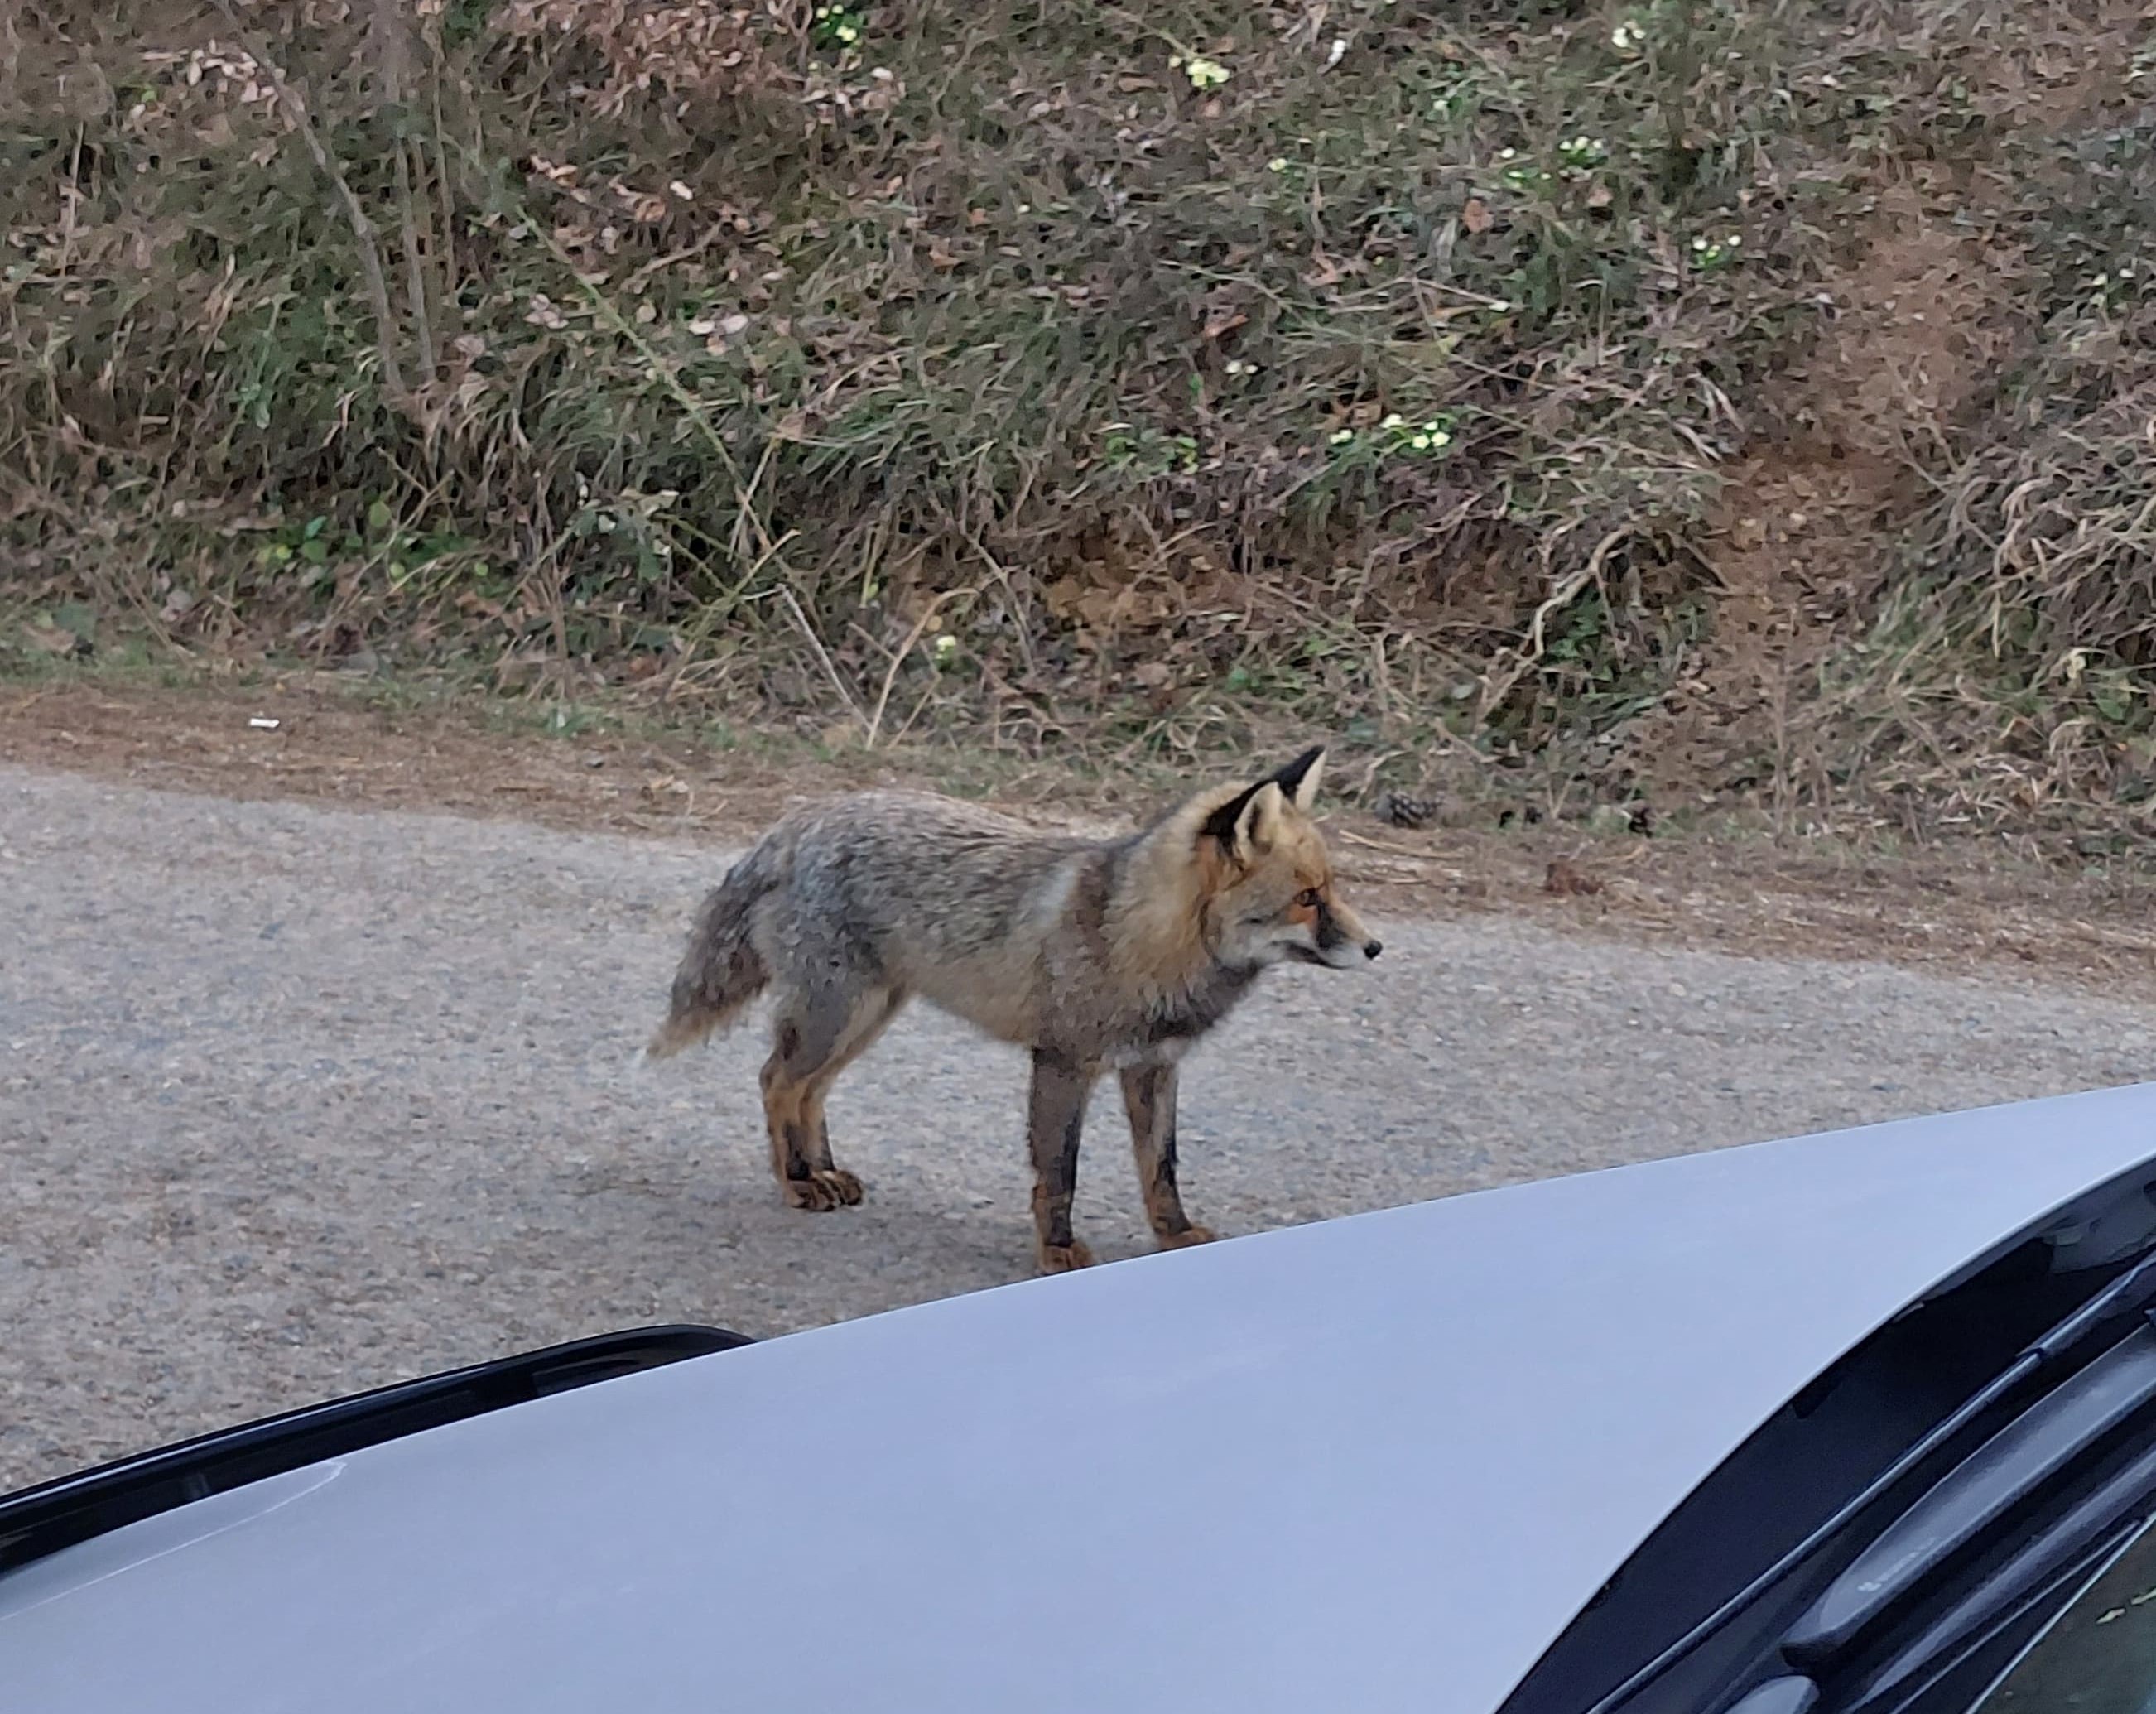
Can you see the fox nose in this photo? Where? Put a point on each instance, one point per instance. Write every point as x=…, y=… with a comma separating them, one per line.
x=1371, y=948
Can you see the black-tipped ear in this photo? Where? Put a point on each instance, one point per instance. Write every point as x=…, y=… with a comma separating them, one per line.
x=1222, y=822
x=1298, y=780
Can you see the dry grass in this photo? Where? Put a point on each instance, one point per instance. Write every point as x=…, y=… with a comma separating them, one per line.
x=1005, y=376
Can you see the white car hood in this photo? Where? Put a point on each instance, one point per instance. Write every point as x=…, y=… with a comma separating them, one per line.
x=1373, y=1464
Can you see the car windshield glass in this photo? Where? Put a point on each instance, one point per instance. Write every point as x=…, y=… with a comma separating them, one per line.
x=2099, y=1656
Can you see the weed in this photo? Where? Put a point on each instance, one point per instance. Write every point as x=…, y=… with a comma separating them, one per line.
x=948, y=366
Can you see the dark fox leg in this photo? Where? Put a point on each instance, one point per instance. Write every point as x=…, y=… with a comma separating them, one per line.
x=812, y=1040
x=1149, y=1099
x=1054, y=1118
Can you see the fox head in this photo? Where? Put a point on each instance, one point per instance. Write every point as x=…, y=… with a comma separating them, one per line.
x=1266, y=886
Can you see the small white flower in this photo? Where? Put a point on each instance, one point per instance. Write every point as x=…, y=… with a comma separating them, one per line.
x=1438, y=438
x=946, y=646
x=1341, y=436
x=1393, y=421
x=1277, y=164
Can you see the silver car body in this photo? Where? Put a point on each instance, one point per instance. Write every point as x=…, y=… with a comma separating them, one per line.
x=1369, y=1465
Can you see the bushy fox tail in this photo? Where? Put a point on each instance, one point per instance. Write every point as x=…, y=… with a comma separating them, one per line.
x=722, y=971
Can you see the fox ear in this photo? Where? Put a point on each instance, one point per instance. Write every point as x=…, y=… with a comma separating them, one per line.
x=1298, y=780
x=1243, y=824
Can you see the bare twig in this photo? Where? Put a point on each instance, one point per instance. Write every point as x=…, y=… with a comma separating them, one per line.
x=1349, y=836
x=823, y=657
x=415, y=268
x=443, y=190
x=1562, y=597
x=897, y=660
x=393, y=46
x=663, y=373
x=658, y=264
x=362, y=230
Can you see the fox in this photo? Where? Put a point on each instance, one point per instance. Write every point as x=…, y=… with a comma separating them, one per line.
x=1094, y=955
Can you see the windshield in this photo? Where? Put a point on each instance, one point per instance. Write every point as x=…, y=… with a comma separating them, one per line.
x=2099, y=1656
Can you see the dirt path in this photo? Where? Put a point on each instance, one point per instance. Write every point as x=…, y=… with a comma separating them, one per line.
x=1975, y=908
x=295, y=1100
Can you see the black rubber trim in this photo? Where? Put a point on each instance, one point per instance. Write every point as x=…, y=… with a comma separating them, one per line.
x=2129, y=1296
x=2057, y=1434
x=36, y=1521
x=2040, y=1578
x=1793, y=1695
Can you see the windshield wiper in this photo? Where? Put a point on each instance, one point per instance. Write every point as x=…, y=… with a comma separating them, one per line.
x=2056, y=1436
x=2059, y=1558
x=2120, y=1302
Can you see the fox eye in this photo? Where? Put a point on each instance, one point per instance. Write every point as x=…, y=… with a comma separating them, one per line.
x=1309, y=899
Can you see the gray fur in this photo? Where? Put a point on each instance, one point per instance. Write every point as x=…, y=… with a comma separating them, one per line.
x=1093, y=954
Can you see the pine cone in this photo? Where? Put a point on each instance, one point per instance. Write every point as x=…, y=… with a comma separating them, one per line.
x=1398, y=809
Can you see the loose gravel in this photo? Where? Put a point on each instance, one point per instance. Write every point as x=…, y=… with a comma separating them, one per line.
x=296, y=1101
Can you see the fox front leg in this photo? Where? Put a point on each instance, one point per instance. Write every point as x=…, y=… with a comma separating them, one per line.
x=1149, y=1099
x=1055, y=1116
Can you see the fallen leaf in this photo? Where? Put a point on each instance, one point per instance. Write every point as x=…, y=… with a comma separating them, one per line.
x=1477, y=217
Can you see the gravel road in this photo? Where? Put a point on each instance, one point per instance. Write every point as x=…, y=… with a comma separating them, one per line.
x=296, y=1101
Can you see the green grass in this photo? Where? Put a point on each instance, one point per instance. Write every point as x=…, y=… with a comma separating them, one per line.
x=1203, y=376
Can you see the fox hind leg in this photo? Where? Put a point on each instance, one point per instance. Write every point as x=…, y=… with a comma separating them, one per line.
x=1149, y=1101
x=870, y=1017
x=813, y=1038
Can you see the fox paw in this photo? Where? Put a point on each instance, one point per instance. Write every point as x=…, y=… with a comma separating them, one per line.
x=1062, y=1258
x=1186, y=1237
x=823, y=1190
